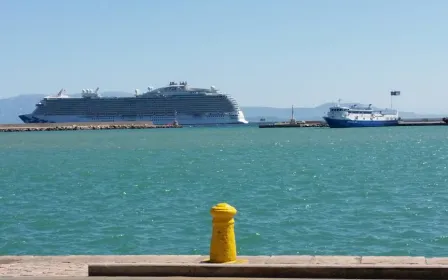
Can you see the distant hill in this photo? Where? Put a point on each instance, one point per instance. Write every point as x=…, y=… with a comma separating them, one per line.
x=11, y=108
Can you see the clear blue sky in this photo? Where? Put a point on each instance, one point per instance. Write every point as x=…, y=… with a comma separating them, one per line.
x=272, y=53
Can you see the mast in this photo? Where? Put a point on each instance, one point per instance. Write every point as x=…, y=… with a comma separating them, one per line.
x=60, y=92
x=392, y=94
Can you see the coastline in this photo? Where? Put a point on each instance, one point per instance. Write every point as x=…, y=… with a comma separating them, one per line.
x=22, y=127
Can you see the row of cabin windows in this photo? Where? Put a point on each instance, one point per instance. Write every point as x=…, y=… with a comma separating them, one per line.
x=68, y=106
x=65, y=112
x=352, y=112
x=202, y=106
x=170, y=108
x=139, y=117
x=131, y=113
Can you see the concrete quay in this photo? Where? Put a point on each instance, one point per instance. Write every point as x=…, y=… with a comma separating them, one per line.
x=294, y=123
x=422, y=123
x=145, y=278
x=343, y=267
x=81, y=126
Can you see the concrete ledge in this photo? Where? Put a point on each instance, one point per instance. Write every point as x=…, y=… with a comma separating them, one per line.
x=378, y=267
x=357, y=271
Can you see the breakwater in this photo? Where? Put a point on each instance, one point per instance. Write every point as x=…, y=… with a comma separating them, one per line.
x=82, y=126
x=294, y=124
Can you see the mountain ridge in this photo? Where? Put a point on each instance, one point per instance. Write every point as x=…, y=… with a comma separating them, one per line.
x=12, y=107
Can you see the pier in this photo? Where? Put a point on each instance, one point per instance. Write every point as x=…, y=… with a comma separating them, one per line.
x=224, y=262
x=82, y=126
x=421, y=123
x=294, y=124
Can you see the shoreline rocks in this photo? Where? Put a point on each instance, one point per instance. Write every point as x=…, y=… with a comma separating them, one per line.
x=80, y=126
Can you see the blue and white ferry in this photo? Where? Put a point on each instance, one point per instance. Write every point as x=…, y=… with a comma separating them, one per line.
x=355, y=116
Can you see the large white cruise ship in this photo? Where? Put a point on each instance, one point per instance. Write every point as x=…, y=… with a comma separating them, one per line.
x=175, y=102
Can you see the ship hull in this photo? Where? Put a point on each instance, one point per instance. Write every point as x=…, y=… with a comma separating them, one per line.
x=158, y=120
x=346, y=123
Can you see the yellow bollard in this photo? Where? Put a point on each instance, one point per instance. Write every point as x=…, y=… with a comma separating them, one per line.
x=223, y=245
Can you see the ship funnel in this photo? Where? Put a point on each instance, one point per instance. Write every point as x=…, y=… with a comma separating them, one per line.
x=136, y=91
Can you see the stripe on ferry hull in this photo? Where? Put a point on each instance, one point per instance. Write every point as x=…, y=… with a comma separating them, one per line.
x=339, y=123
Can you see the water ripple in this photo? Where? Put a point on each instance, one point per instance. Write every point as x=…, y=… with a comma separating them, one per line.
x=298, y=191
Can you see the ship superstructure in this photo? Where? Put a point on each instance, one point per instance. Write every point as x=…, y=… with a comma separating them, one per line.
x=176, y=101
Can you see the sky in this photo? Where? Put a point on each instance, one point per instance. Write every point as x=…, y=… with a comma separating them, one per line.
x=273, y=53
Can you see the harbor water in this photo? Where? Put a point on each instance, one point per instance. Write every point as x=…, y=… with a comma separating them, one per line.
x=367, y=191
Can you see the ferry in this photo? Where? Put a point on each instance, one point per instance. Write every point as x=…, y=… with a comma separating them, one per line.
x=357, y=116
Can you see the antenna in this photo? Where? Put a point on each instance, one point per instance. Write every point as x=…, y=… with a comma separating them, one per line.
x=60, y=92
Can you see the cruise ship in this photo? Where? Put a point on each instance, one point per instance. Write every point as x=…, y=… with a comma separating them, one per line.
x=356, y=116
x=174, y=102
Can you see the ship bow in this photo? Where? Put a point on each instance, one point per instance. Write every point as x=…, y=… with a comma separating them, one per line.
x=25, y=118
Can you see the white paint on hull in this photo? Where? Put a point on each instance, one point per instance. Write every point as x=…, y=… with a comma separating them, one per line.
x=157, y=120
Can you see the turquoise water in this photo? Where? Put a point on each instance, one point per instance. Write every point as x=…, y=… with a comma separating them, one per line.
x=367, y=191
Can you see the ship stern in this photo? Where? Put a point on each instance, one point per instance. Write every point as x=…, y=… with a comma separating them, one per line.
x=241, y=118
